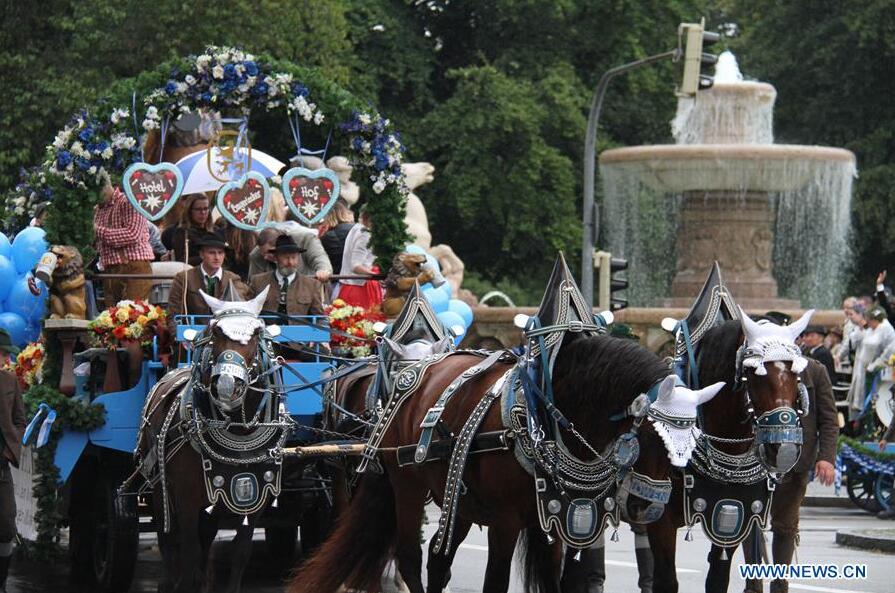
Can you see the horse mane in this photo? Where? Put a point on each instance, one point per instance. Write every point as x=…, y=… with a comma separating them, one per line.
x=604, y=372
x=717, y=351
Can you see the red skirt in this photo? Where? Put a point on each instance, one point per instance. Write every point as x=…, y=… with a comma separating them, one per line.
x=366, y=295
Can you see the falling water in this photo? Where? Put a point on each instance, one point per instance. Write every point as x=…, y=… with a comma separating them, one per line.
x=725, y=150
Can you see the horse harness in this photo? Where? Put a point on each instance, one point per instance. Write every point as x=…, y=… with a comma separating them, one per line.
x=241, y=460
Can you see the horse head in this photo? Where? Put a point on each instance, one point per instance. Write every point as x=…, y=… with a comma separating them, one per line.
x=229, y=363
x=645, y=489
x=768, y=367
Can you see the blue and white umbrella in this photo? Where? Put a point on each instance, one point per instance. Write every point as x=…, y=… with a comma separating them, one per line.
x=208, y=170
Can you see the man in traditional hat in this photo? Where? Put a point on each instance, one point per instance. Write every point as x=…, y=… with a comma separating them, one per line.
x=812, y=341
x=313, y=260
x=12, y=427
x=290, y=293
x=820, y=430
x=209, y=276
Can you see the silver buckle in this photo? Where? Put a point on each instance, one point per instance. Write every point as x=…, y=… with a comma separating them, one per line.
x=576, y=326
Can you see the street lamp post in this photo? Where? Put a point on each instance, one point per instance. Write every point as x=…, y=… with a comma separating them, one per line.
x=590, y=227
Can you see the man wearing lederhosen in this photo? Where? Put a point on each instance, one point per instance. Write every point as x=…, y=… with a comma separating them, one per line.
x=12, y=427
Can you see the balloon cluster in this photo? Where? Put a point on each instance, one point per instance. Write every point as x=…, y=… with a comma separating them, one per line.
x=20, y=311
x=453, y=313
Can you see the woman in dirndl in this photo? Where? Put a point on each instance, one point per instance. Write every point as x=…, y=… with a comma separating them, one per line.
x=357, y=259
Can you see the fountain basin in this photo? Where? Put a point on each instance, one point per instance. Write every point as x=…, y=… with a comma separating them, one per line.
x=678, y=168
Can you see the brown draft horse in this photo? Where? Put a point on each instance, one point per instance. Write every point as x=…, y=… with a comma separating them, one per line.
x=729, y=415
x=185, y=547
x=593, y=378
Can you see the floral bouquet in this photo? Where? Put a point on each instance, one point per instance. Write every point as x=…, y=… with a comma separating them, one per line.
x=29, y=364
x=355, y=321
x=127, y=322
x=90, y=151
x=22, y=201
x=383, y=152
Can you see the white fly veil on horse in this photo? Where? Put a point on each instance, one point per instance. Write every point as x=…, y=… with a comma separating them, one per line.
x=237, y=319
x=673, y=415
x=768, y=342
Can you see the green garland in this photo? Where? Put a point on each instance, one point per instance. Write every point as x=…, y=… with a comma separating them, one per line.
x=71, y=414
x=864, y=450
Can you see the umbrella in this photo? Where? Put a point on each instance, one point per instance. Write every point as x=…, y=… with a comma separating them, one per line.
x=200, y=175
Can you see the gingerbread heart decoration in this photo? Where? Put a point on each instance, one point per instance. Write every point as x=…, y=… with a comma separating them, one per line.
x=152, y=189
x=244, y=202
x=310, y=194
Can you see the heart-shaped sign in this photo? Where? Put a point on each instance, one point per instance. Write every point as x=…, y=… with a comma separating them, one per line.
x=152, y=189
x=244, y=202
x=310, y=194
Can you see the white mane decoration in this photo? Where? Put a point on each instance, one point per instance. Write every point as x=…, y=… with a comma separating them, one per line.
x=673, y=415
x=237, y=319
x=768, y=342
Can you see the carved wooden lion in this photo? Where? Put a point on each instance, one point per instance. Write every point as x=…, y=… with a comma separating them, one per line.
x=67, y=294
x=406, y=269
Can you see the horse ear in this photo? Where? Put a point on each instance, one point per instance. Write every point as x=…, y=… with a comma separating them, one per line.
x=750, y=328
x=796, y=329
x=706, y=394
x=214, y=304
x=257, y=303
x=667, y=386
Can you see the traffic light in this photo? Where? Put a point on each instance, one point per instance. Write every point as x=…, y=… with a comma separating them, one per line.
x=692, y=39
x=607, y=285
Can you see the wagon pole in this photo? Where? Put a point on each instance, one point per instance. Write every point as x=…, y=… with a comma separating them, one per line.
x=311, y=451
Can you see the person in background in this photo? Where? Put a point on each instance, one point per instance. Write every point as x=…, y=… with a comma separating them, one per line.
x=820, y=430
x=854, y=318
x=195, y=227
x=833, y=342
x=290, y=293
x=209, y=276
x=336, y=226
x=313, y=261
x=872, y=342
x=12, y=426
x=812, y=342
x=358, y=259
x=883, y=297
x=241, y=243
x=122, y=240
x=155, y=241
x=40, y=214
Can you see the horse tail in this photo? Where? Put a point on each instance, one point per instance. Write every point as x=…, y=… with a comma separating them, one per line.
x=537, y=560
x=356, y=552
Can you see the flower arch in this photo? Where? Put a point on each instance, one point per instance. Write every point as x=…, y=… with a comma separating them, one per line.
x=99, y=143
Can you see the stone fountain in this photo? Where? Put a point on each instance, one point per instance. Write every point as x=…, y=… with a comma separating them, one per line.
x=775, y=216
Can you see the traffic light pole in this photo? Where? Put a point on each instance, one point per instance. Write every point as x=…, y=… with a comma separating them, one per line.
x=590, y=158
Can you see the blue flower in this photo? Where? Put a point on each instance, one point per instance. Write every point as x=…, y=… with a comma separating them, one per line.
x=251, y=68
x=86, y=134
x=229, y=71
x=63, y=159
x=381, y=162
x=82, y=163
x=170, y=88
x=206, y=96
x=300, y=90
x=260, y=89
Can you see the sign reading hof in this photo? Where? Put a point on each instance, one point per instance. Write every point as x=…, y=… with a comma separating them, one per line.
x=152, y=189
x=244, y=202
x=310, y=194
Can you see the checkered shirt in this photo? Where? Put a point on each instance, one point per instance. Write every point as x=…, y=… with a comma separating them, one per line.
x=121, y=233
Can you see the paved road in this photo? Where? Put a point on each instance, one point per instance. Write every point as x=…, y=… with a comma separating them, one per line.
x=818, y=533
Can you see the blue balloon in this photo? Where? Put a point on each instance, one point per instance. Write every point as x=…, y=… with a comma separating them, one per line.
x=7, y=273
x=448, y=289
x=27, y=248
x=461, y=309
x=15, y=325
x=21, y=302
x=437, y=299
x=415, y=249
x=451, y=320
x=427, y=286
x=32, y=332
x=5, y=246
x=431, y=261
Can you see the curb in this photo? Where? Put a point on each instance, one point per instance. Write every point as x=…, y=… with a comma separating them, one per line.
x=882, y=540
x=842, y=502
